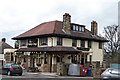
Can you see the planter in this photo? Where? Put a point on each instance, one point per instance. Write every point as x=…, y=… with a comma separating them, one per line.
x=32, y=69
x=38, y=64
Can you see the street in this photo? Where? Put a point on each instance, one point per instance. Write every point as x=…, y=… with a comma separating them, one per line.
x=43, y=76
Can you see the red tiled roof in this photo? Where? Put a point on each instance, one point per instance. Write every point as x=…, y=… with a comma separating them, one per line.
x=55, y=28
x=49, y=49
x=44, y=28
x=4, y=45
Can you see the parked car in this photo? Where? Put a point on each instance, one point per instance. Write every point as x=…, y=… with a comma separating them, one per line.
x=111, y=74
x=11, y=69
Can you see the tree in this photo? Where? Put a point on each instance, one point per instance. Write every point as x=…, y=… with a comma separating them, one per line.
x=112, y=47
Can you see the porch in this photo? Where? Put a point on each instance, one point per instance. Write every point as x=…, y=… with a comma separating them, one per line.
x=47, y=59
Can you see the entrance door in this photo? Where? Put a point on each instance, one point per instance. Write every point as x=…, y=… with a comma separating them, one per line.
x=82, y=59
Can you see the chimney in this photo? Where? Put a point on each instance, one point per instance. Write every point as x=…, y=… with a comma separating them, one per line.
x=66, y=23
x=94, y=28
x=3, y=40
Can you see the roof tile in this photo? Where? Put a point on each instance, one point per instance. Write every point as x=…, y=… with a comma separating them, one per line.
x=55, y=27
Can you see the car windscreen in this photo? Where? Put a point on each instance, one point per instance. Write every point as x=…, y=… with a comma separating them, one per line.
x=15, y=65
x=115, y=71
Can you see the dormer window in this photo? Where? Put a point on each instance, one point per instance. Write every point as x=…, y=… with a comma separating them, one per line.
x=73, y=27
x=78, y=28
x=83, y=29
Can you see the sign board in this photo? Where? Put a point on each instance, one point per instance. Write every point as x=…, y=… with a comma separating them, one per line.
x=115, y=65
x=83, y=49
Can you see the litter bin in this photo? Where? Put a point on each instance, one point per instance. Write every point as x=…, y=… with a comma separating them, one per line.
x=74, y=70
x=89, y=72
x=83, y=71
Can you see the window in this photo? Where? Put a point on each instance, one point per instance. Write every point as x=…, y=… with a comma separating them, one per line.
x=90, y=58
x=76, y=28
x=82, y=43
x=80, y=28
x=23, y=42
x=12, y=58
x=73, y=60
x=45, y=59
x=85, y=58
x=58, y=59
x=100, y=45
x=33, y=42
x=74, y=42
x=16, y=44
x=82, y=59
x=89, y=44
x=59, y=41
x=7, y=56
x=24, y=60
x=15, y=65
x=83, y=29
x=43, y=41
x=7, y=66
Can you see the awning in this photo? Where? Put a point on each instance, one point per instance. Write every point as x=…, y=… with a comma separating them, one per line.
x=49, y=49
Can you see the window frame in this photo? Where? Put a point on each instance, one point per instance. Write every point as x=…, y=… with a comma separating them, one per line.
x=77, y=28
x=100, y=45
x=89, y=44
x=59, y=41
x=43, y=41
x=82, y=29
x=11, y=56
x=74, y=27
x=23, y=42
x=90, y=58
x=74, y=42
x=33, y=42
x=45, y=59
x=81, y=43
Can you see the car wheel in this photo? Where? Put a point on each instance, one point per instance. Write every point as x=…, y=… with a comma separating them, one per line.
x=9, y=73
x=20, y=74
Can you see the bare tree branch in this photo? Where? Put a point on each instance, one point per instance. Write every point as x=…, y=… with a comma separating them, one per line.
x=111, y=34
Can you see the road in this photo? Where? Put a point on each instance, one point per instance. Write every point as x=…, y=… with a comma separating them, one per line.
x=43, y=76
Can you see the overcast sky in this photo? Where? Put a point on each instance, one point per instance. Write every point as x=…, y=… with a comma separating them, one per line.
x=18, y=16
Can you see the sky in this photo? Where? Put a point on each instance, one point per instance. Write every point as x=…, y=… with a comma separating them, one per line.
x=18, y=16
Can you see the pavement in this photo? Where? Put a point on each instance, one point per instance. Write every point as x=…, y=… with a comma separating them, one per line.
x=75, y=77
x=55, y=75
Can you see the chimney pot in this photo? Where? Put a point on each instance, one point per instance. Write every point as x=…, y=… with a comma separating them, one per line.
x=3, y=40
x=94, y=27
x=67, y=23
